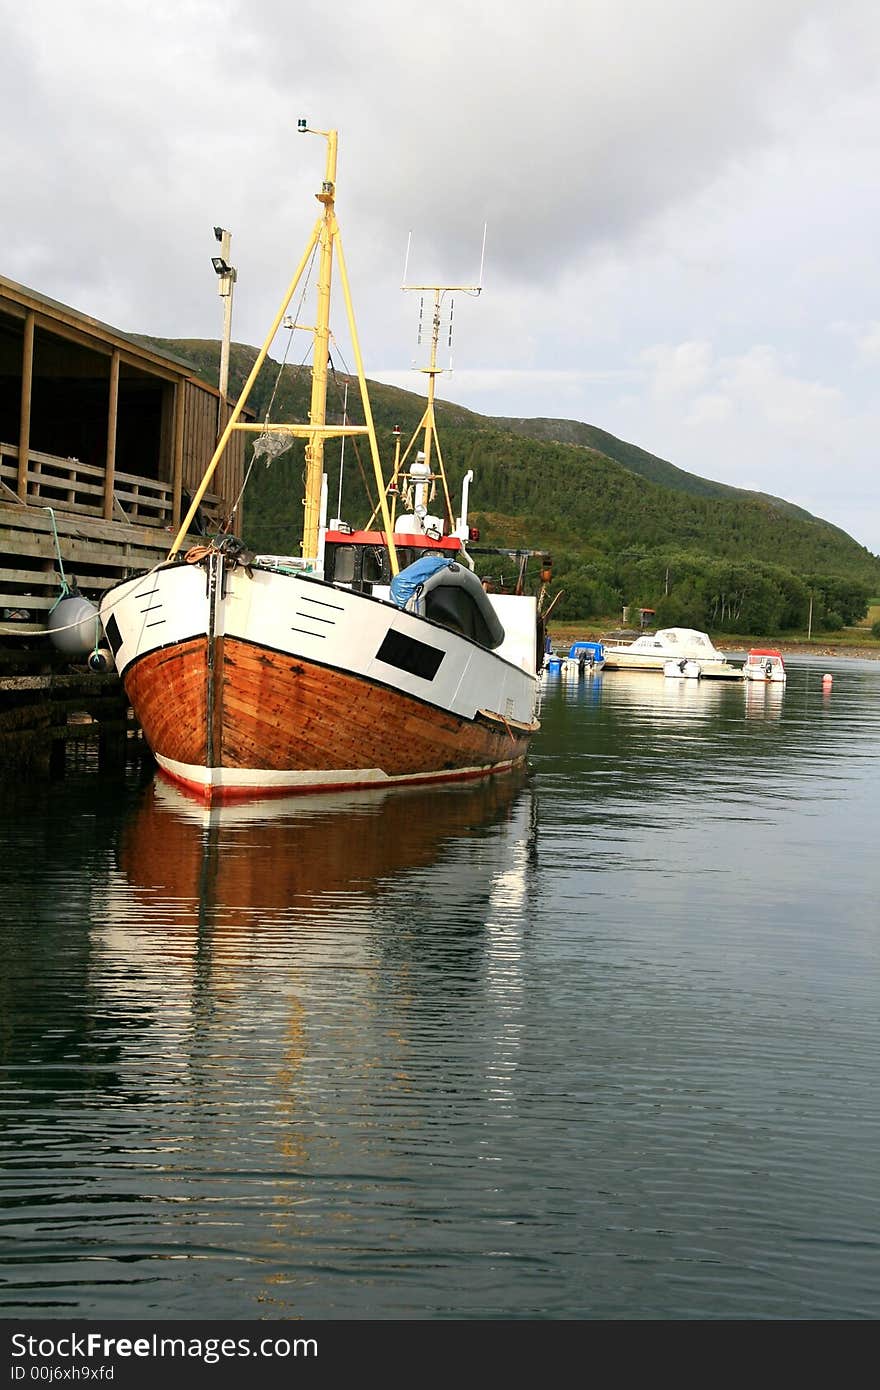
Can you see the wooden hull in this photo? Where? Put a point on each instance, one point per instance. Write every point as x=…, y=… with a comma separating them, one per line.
x=281, y=724
x=228, y=712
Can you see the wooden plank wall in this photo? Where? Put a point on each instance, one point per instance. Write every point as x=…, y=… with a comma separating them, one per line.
x=95, y=552
x=199, y=440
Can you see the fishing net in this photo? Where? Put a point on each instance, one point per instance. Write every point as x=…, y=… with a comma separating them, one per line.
x=270, y=444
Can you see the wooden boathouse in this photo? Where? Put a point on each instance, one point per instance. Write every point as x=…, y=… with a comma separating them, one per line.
x=104, y=439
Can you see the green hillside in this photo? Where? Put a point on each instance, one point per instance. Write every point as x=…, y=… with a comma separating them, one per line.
x=624, y=527
x=656, y=470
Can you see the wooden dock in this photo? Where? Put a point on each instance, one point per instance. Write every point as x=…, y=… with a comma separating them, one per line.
x=45, y=708
x=104, y=437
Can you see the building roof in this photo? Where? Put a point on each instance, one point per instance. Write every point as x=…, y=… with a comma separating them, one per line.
x=64, y=313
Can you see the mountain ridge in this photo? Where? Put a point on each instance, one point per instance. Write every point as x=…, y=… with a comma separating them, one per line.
x=638, y=460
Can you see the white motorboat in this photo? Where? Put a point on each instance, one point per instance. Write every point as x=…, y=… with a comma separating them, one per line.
x=764, y=664
x=683, y=669
x=652, y=650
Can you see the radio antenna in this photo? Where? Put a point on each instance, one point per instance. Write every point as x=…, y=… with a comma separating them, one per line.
x=406, y=259
x=426, y=430
x=483, y=256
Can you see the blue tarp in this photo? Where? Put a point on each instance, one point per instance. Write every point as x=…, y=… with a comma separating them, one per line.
x=594, y=649
x=410, y=580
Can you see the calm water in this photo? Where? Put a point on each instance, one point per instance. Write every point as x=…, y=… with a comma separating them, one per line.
x=600, y=1042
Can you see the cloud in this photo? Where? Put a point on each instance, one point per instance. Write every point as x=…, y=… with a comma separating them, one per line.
x=760, y=381
x=680, y=198
x=709, y=410
x=868, y=342
x=677, y=370
x=563, y=127
x=752, y=421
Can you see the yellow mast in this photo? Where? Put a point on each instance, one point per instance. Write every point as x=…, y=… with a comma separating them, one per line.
x=327, y=235
x=318, y=407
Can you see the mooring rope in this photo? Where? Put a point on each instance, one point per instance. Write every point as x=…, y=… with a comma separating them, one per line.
x=65, y=587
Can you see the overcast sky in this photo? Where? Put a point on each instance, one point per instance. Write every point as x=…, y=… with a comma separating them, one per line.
x=681, y=198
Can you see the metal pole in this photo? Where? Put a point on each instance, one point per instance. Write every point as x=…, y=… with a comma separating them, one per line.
x=342, y=451
x=227, y=278
x=245, y=392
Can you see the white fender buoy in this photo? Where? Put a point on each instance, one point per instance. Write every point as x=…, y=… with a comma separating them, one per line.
x=827, y=679
x=74, y=625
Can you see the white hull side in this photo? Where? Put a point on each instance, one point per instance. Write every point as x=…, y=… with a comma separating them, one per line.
x=334, y=627
x=642, y=662
x=776, y=678
x=271, y=783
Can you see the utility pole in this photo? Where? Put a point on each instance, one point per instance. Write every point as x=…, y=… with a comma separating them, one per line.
x=226, y=277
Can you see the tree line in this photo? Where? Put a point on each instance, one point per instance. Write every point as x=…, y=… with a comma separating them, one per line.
x=687, y=589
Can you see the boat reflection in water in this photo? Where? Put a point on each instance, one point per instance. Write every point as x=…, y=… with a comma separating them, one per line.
x=335, y=881
x=273, y=902
x=256, y=858
x=764, y=701
x=291, y=979
x=654, y=697
x=683, y=700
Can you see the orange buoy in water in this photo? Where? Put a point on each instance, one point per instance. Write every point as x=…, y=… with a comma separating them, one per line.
x=827, y=679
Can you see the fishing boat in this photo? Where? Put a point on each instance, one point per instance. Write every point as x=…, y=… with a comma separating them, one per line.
x=764, y=664
x=372, y=658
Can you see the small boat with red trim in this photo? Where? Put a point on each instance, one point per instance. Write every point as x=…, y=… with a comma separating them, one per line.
x=764, y=664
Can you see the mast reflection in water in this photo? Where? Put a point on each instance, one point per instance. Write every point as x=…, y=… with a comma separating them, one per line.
x=598, y=1042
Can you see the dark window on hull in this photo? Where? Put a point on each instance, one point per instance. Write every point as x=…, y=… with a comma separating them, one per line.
x=409, y=655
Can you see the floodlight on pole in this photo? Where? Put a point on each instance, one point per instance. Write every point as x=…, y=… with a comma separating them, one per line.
x=226, y=278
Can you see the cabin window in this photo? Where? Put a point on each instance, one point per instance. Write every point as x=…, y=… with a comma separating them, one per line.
x=374, y=565
x=343, y=564
x=361, y=566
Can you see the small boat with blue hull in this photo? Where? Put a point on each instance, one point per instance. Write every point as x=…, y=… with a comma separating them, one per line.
x=584, y=659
